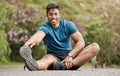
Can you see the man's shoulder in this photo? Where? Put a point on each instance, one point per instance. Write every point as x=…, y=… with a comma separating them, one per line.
x=66, y=21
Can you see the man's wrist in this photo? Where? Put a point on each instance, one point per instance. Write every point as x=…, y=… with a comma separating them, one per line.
x=70, y=56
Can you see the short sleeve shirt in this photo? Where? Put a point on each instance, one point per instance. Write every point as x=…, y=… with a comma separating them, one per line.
x=58, y=39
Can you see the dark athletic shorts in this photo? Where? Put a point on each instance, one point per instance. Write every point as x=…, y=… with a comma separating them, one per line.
x=61, y=56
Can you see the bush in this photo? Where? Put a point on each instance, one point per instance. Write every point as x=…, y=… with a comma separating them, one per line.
x=4, y=47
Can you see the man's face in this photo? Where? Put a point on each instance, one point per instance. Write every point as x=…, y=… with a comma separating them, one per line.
x=53, y=16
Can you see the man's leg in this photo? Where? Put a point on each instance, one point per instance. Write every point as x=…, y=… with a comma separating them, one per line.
x=46, y=62
x=86, y=54
x=32, y=64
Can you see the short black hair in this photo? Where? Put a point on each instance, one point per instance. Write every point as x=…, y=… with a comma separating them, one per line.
x=52, y=6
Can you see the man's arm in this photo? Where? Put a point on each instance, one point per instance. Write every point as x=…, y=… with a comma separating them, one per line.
x=35, y=39
x=79, y=44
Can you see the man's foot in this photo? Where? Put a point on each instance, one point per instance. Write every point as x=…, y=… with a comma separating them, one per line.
x=59, y=66
x=30, y=63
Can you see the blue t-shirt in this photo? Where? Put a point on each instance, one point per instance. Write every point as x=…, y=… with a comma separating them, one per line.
x=58, y=39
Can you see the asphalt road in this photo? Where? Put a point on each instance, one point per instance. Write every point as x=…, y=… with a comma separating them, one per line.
x=83, y=71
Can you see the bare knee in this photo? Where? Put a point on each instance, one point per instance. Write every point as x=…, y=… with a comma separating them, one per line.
x=46, y=62
x=96, y=48
x=42, y=65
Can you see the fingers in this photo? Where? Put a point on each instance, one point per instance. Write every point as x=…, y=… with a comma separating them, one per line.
x=32, y=45
x=29, y=43
x=68, y=64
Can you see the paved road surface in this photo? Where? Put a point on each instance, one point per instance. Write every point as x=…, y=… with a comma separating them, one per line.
x=84, y=71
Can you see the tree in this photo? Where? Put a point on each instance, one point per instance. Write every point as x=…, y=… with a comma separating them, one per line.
x=4, y=47
x=101, y=28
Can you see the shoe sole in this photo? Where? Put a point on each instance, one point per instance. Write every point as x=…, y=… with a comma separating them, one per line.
x=30, y=63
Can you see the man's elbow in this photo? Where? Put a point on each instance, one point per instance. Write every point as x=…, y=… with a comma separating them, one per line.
x=82, y=44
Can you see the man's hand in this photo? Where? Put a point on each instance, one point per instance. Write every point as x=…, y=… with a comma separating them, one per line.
x=35, y=39
x=68, y=62
x=29, y=43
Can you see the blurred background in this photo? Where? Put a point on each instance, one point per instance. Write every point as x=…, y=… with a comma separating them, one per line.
x=97, y=20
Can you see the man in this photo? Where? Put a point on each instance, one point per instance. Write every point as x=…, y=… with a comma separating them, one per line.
x=56, y=34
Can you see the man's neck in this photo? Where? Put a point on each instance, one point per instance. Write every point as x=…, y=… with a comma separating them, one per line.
x=55, y=26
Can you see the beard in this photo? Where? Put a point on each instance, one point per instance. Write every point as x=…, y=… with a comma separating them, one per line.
x=53, y=22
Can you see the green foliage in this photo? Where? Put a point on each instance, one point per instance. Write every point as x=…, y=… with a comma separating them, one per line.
x=39, y=51
x=100, y=18
x=25, y=20
x=106, y=40
x=100, y=29
x=4, y=47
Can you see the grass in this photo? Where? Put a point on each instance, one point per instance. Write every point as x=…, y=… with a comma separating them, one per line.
x=115, y=66
x=108, y=66
x=11, y=64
